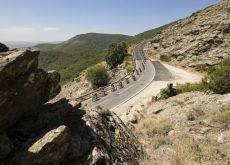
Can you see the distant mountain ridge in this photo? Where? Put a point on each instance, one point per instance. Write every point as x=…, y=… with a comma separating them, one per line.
x=25, y=44
x=71, y=57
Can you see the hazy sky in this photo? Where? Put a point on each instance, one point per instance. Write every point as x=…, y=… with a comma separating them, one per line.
x=57, y=20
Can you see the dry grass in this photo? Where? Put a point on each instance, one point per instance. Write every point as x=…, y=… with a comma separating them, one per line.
x=159, y=141
x=129, y=63
x=189, y=151
x=194, y=113
x=146, y=161
x=153, y=127
x=179, y=100
x=154, y=143
x=222, y=117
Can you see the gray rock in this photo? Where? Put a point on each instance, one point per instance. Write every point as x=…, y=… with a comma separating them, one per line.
x=24, y=88
x=50, y=149
x=227, y=8
x=3, y=48
x=180, y=58
x=5, y=146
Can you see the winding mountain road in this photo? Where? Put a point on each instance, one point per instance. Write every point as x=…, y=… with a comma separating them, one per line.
x=144, y=79
x=149, y=82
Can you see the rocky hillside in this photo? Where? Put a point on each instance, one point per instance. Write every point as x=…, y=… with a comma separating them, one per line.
x=187, y=129
x=201, y=40
x=33, y=132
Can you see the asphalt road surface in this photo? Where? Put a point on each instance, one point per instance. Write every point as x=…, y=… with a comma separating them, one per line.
x=153, y=71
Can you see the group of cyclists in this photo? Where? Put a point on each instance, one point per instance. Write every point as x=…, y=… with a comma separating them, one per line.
x=96, y=96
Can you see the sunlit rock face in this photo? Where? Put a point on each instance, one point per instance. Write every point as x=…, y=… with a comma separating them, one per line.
x=200, y=40
x=24, y=87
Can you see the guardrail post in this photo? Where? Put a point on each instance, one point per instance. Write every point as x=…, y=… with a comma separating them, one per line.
x=137, y=72
x=121, y=85
x=140, y=70
x=113, y=88
x=127, y=80
x=143, y=66
x=133, y=77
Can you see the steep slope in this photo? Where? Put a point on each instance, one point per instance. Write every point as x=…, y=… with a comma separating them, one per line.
x=69, y=58
x=198, y=41
x=190, y=128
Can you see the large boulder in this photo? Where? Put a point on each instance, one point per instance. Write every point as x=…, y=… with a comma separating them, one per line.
x=49, y=149
x=3, y=48
x=24, y=87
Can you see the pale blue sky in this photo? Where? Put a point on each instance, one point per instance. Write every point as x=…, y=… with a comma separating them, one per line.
x=57, y=20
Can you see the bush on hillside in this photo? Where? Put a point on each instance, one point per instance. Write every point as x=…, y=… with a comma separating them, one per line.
x=165, y=58
x=116, y=54
x=218, y=80
x=203, y=68
x=167, y=92
x=97, y=75
x=190, y=87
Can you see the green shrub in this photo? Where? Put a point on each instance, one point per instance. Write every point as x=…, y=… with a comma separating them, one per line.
x=203, y=68
x=165, y=58
x=97, y=75
x=116, y=54
x=190, y=87
x=168, y=92
x=219, y=79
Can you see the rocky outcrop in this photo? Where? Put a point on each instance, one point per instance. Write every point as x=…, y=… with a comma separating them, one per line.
x=190, y=128
x=24, y=87
x=62, y=134
x=202, y=39
x=51, y=148
x=121, y=145
x=36, y=132
x=3, y=48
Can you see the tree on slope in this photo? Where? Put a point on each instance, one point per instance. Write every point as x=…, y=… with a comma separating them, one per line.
x=116, y=54
x=97, y=75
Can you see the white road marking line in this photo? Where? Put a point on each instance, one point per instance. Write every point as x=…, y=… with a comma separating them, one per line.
x=136, y=92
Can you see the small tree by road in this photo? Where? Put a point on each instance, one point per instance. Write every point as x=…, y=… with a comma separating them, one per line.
x=116, y=54
x=218, y=80
x=97, y=76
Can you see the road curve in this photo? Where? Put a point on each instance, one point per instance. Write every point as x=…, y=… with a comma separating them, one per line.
x=112, y=100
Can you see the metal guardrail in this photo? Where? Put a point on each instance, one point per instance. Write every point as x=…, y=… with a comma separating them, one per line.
x=110, y=87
